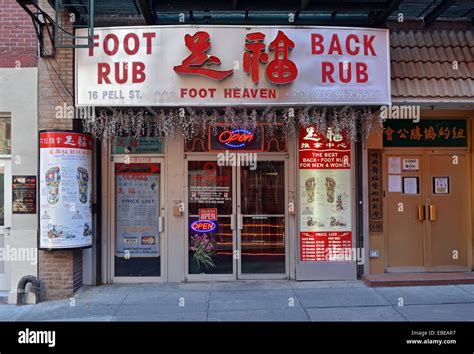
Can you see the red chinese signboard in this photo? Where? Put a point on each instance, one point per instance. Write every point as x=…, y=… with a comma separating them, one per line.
x=319, y=151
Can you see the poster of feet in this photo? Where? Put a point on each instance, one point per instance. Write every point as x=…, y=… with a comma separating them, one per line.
x=325, y=195
x=65, y=190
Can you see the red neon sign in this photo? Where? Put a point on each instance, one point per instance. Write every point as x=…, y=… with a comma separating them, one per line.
x=235, y=138
x=203, y=226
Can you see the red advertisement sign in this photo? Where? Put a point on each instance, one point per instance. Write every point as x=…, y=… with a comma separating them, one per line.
x=328, y=151
x=65, y=140
x=208, y=214
x=326, y=246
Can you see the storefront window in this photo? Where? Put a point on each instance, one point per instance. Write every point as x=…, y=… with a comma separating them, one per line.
x=5, y=136
x=137, y=246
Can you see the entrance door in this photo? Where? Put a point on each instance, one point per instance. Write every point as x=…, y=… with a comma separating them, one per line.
x=427, y=210
x=5, y=219
x=237, y=220
x=138, y=242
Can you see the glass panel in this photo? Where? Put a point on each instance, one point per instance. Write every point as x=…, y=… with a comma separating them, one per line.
x=263, y=235
x=211, y=252
x=263, y=189
x=263, y=245
x=137, y=243
x=2, y=196
x=210, y=242
x=5, y=136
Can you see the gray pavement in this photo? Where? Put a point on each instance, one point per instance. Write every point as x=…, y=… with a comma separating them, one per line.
x=254, y=301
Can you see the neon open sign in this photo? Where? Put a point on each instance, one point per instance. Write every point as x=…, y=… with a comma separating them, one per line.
x=203, y=226
x=236, y=138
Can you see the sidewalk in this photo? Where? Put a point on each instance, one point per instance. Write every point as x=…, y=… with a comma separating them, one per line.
x=254, y=301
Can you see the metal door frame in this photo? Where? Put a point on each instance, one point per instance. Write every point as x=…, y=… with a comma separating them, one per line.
x=7, y=192
x=236, y=197
x=238, y=201
x=137, y=158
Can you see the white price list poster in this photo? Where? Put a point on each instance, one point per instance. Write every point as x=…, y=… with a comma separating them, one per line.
x=65, y=190
x=137, y=213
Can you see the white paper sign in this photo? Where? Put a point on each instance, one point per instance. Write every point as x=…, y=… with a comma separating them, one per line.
x=410, y=164
x=221, y=65
x=410, y=185
x=394, y=183
x=394, y=165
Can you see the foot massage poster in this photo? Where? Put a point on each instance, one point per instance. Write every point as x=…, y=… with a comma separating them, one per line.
x=325, y=204
x=65, y=183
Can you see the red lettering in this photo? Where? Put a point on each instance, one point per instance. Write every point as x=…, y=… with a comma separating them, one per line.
x=103, y=73
x=361, y=72
x=114, y=39
x=138, y=72
x=95, y=44
x=148, y=36
x=123, y=79
x=317, y=46
x=335, y=45
x=327, y=71
x=354, y=38
x=368, y=41
x=136, y=45
x=348, y=71
x=228, y=136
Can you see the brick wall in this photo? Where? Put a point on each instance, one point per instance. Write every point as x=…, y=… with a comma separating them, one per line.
x=60, y=272
x=18, y=43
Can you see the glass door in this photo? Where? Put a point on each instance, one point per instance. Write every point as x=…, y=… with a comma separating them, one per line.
x=5, y=218
x=211, y=220
x=137, y=246
x=236, y=220
x=261, y=220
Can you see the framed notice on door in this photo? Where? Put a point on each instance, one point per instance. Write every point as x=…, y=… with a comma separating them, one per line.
x=440, y=185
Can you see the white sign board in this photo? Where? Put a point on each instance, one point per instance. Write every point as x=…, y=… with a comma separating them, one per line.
x=233, y=65
x=65, y=190
x=410, y=164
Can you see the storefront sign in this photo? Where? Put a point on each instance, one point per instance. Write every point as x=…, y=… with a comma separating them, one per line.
x=233, y=65
x=375, y=191
x=203, y=226
x=24, y=195
x=137, y=200
x=325, y=195
x=141, y=145
x=65, y=190
x=208, y=214
x=427, y=132
x=237, y=139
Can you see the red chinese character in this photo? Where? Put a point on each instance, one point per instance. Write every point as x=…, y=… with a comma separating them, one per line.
x=198, y=44
x=281, y=70
x=255, y=54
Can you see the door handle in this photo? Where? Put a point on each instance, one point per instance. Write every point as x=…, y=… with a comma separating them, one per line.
x=421, y=212
x=432, y=212
x=240, y=222
x=232, y=222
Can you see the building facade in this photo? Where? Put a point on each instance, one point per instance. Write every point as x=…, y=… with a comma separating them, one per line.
x=229, y=152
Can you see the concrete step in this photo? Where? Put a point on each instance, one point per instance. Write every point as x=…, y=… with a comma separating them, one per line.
x=3, y=297
x=417, y=279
